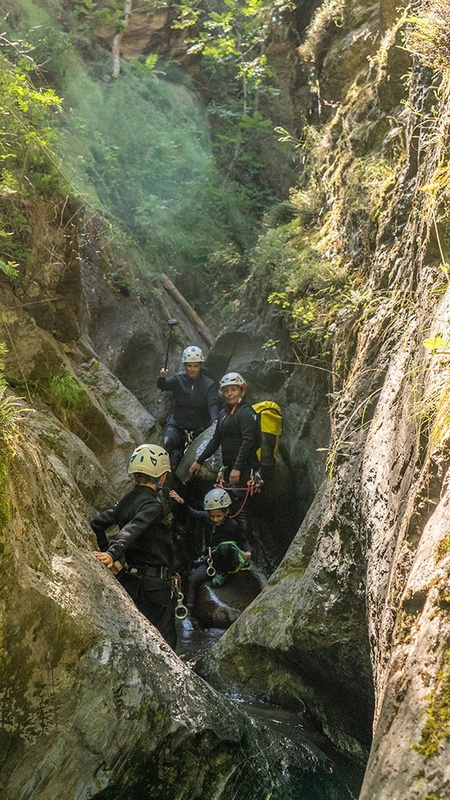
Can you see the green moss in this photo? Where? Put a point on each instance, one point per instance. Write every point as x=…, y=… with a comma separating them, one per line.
x=4, y=502
x=405, y=622
x=429, y=35
x=327, y=21
x=441, y=425
x=437, y=726
x=443, y=548
x=291, y=265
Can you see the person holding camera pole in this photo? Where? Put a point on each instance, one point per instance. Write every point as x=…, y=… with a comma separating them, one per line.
x=195, y=403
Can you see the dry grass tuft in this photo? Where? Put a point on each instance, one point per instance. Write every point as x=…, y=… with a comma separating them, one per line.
x=429, y=35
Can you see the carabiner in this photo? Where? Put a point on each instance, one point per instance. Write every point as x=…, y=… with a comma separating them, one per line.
x=220, y=476
x=210, y=569
x=181, y=611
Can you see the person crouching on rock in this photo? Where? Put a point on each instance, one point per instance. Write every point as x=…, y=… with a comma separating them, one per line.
x=144, y=540
x=226, y=549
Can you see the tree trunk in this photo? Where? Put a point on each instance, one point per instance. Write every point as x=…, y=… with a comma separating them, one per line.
x=118, y=38
x=192, y=315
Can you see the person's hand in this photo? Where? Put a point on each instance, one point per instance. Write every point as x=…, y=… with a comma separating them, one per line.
x=105, y=559
x=195, y=468
x=163, y=373
x=175, y=496
x=235, y=474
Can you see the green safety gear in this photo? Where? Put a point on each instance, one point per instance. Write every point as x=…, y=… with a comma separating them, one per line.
x=219, y=579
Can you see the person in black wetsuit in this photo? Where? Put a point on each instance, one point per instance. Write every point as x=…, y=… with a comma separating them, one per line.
x=237, y=432
x=195, y=403
x=144, y=540
x=225, y=548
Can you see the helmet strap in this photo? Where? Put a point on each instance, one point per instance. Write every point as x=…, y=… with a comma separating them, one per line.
x=235, y=406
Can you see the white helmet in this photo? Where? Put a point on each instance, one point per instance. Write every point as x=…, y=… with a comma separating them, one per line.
x=232, y=379
x=192, y=355
x=150, y=459
x=216, y=498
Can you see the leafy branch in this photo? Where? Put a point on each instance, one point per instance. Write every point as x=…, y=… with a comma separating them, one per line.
x=232, y=40
x=26, y=156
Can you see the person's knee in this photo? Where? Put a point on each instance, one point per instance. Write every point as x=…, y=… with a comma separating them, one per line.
x=170, y=439
x=227, y=558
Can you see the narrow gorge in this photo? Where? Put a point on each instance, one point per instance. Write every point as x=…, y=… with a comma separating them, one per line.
x=300, y=207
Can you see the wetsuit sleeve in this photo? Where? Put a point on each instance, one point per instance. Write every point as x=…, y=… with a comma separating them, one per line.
x=247, y=422
x=101, y=523
x=166, y=384
x=242, y=542
x=200, y=515
x=149, y=514
x=213, y=402
x=237, y=536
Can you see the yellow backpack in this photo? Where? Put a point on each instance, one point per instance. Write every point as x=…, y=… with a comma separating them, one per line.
x=270, y=425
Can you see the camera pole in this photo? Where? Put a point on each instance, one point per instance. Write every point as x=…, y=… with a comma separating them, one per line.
x=171, y=323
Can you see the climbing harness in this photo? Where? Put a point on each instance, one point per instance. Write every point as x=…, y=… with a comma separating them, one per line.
x=243, y=561
x=181, y=611
x=210, y=570
x=189, y=436
x=254, y=484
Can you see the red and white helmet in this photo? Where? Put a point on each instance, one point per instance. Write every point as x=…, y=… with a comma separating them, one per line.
x=232, y=379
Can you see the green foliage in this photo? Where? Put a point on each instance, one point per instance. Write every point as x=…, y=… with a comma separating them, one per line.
x=328, y=17
x=305, y=287
x=436, y=344
x=434, y=415
x=10, y=414
x=437, y=726
x=65, y=392
x=4, y=504
x=218, y=283
x=179, y=188
x=232, y=38
x=25, y=151
x=89, y=15
x=11, y=411
x=150, y=172
x=428, y=35
x=368, y=180
x=442, y=549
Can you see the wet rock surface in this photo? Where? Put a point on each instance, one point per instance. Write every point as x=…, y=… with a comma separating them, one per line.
x=220, y=607
x=353, y=625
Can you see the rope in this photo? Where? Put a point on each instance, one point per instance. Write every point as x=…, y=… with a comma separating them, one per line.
x=249, y=490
